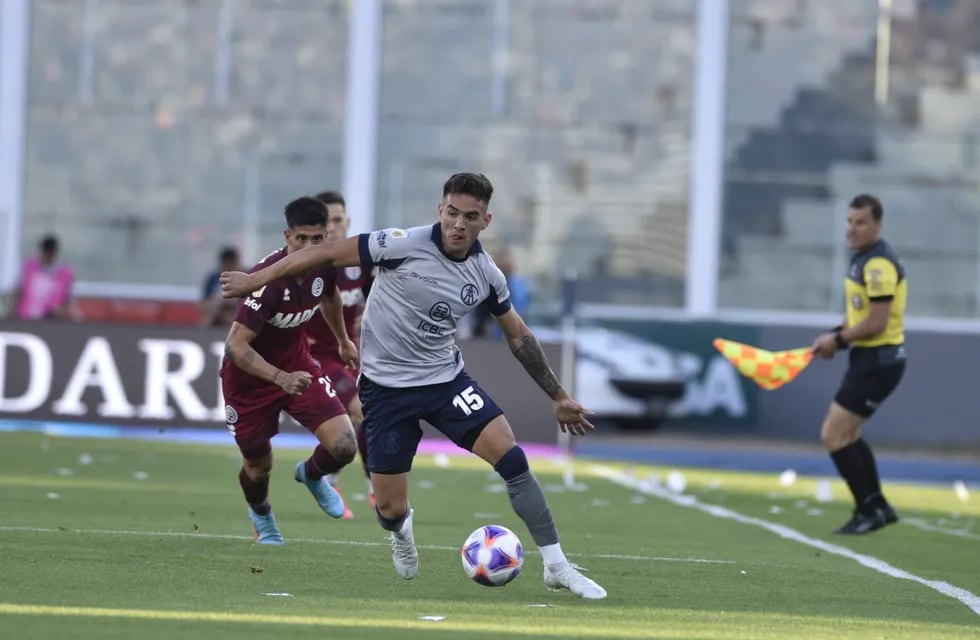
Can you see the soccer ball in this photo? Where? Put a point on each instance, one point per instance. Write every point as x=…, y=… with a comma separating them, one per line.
x=492, y=555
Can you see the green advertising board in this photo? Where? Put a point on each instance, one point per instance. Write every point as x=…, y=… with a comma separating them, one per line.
x=715, y=392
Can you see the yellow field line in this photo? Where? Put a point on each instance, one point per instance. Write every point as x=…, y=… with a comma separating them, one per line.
x=672, y=623
x=546, y=628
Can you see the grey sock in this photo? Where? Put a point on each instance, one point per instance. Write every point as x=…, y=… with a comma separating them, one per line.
x=529, y=503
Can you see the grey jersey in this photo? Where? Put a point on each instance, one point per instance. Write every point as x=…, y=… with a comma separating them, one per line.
x=409, y=325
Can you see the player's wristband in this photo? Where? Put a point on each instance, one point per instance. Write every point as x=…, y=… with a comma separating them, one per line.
x=839, y=339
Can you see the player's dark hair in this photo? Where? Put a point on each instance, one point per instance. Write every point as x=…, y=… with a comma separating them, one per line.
x=332, y=197
x=865, y=201
x=228, y=254
x=49, y=244
x=306, y=212
x=470, y=184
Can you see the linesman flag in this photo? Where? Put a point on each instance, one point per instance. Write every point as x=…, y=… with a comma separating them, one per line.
x=768, y=369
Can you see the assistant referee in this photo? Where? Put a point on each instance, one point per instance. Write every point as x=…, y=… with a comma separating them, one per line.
x=876, y=291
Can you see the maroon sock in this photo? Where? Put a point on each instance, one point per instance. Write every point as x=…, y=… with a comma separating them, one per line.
x=321, y=463
x=256, y=493
x=362, y=448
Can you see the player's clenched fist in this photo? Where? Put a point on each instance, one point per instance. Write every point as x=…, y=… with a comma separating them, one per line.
x=295, y=382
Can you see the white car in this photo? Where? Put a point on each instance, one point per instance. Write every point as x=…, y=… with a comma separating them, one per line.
x=621, y=377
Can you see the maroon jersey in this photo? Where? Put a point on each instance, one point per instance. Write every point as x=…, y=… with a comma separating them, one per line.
x=277, y=314
x=323, y=344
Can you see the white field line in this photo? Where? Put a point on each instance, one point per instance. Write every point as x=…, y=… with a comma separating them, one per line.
x=623, y=479
x=352, y=543
x=926, y=526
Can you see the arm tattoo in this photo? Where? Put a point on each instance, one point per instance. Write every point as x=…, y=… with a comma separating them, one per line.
x=530, y=354
x=243, y=362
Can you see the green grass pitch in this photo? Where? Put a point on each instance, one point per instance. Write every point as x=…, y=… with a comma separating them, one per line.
x=127, y=539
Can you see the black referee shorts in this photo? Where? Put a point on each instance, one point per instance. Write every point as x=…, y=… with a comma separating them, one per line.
x=862, y=391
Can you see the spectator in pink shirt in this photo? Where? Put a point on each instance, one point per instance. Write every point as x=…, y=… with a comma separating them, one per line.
x=45, y=285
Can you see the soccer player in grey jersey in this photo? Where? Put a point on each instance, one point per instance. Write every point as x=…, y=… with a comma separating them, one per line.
x=428, y=278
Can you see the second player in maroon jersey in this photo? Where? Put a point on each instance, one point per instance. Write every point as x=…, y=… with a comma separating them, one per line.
x=268, y=369
x=353, y=284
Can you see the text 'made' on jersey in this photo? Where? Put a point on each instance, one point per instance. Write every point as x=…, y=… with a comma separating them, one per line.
x=418, y=296
x=277, y=314
x=877, y=275
x=351, y=282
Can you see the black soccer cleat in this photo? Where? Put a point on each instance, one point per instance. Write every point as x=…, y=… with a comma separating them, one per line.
x=861, y=523
x=891, y=516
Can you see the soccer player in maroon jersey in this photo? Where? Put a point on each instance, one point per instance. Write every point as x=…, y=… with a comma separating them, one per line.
x=353, y=283
x=268, y=369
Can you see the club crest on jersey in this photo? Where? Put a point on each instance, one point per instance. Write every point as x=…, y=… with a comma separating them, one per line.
x=352, y=273
x=468, y=294
x=231, y=416
x=317, y=288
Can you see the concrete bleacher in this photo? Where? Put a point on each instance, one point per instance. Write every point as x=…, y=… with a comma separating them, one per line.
x=778, y=47
x=791, y=182
x=156, y=127
x=140, y=144
x=932, y=216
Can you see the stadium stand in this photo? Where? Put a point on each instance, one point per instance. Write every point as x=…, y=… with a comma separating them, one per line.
x=168, y=127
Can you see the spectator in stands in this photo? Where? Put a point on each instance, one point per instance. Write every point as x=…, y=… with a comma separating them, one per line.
x=215, y=310
x=45, y=285
x=520, y=297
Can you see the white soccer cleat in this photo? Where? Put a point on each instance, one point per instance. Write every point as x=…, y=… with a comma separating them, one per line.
x=404, y=555
x=566, y=576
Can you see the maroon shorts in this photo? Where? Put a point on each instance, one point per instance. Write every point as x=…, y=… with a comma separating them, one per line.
x=343, y=380
x=252, y=416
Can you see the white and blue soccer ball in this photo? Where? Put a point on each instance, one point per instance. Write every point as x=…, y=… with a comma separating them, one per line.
x=492, y=555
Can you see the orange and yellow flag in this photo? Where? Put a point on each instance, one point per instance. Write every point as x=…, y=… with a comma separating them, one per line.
x=768, y=369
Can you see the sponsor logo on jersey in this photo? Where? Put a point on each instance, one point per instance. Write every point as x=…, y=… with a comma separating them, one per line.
x=469, y=294
x=258, y=293
x=397, y=234
x=252, y=304
x=285, y=295
x=291, y=320
x=426, y=279
x=382, y=237
x=317, y=288
x=856, y=302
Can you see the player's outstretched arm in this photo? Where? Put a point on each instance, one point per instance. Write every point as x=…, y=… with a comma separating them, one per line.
x=527, y=349
x=340, y=253
x=239, y=351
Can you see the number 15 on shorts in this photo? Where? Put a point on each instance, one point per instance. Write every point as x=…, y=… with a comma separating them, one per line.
x=468, y=401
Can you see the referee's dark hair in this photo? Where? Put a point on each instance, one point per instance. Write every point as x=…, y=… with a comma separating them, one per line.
x=866, y=201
